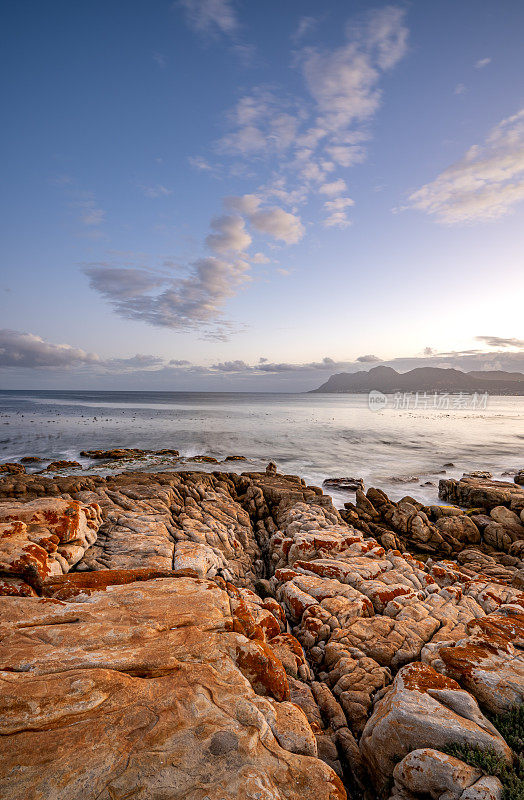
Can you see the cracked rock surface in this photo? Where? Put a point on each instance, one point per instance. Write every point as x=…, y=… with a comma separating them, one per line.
x=215, y=635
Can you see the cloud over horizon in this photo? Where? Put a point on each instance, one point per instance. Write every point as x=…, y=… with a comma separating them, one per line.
x=20, y=349
x=28, y=354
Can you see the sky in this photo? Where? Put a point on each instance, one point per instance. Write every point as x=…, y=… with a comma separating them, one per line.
x=253, y=195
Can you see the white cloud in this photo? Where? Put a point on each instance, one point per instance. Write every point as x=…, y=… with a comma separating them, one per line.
x=482, y=62
x=485, y=184
x=333, y=188
x=278, y=223
x=261, y=124
x=346, y=155
x=211, y=17
x=260, y=258
x=460, y=88
x=229, y=234
x=272, y=220
x=337, y=216
x=344, y=80
x=311, y=138
x=19, y=349
x=200, y=163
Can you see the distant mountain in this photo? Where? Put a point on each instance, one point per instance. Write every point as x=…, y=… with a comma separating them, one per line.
x=497, y=375
x=424, y=379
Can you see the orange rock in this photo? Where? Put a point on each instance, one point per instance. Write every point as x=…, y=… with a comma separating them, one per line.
x=149, y=680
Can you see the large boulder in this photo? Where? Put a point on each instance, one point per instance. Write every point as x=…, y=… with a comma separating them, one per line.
x=422, y=708
x=428, y=773
x=475, y=492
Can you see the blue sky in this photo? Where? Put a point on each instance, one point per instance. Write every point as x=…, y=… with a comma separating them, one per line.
x=213, y=194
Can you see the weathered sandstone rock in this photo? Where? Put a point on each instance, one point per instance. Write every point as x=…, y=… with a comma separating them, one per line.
x=474, y=492
x=254, y=588
x=429, y=773
x=149, y=680
x=423, y=709
x=43, y=538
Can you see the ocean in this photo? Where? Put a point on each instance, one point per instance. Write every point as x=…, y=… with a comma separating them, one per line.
x=401, y=445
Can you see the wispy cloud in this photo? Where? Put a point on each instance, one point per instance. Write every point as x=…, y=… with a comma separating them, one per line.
x=155, y=191
x=337, y=212
x=482, y=62
x=334, y=188
x=311, y=138
x=261, y=124
x=485, y=184
x=305, y=26
x=308, y=139
x=500, y=341
x=160, y=59
x=211, y=17
x=344, y=80
x=91, y=214
x=162, y=300
x=460, y=88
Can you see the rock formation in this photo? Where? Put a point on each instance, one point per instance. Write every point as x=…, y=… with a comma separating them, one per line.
x=215, y=635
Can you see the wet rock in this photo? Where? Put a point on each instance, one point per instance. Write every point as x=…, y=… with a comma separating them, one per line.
x=63, y=464
x=344, y=484
x=479, y=492
x=271, y=468
x=31, y=460
x=519, y=477
x=11, y=468
x=235, y=458
x=203, y=459
x=114, y=454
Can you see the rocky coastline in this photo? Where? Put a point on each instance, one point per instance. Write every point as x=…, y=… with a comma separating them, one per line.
x=216, y=635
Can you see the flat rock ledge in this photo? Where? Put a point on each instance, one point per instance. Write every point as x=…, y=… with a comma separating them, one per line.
x=216, y=636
